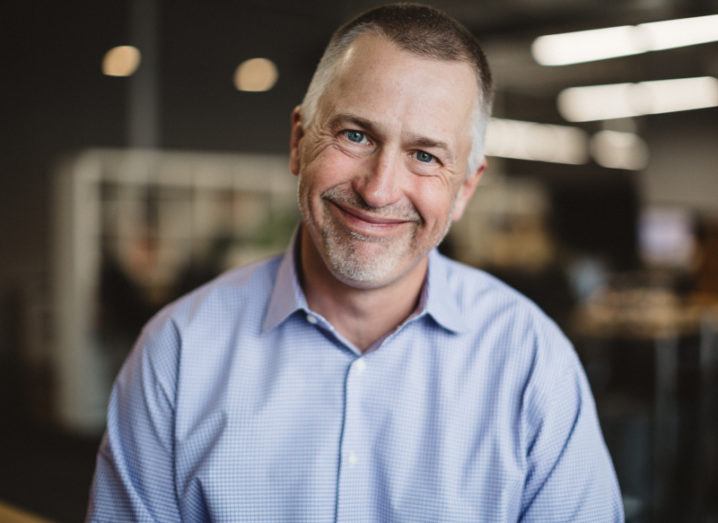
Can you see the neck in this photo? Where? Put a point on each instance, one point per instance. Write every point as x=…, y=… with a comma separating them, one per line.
x=361, y=315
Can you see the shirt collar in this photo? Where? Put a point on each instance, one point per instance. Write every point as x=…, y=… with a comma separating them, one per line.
x=287, y=295
x=436, y=299
x=439, y=301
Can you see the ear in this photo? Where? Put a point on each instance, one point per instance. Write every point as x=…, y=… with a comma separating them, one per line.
x=297, y=133
x=466, y=191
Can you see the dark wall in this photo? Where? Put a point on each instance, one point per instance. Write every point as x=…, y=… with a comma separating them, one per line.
x=56, y=101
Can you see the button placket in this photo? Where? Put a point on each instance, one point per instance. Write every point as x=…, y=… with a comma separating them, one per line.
x=352, y=457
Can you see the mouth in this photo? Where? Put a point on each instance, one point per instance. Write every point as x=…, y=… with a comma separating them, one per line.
x=366, y=223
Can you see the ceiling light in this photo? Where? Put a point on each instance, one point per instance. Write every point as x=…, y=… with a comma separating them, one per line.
x=612, y=42
x=681, y=32
x=618, y=150
x=536, y=141
x=256, y=75
x=587, y=46
x=604, y=102
x=121, y=61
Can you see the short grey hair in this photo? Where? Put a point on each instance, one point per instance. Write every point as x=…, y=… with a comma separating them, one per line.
x=421, y=30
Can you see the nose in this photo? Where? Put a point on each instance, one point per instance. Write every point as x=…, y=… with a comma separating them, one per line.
x=379, y=186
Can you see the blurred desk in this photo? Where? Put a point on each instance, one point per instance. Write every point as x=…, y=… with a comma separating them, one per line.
x=10, y=514
x=682, y=335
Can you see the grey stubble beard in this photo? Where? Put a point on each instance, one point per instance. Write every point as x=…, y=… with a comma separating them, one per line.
x=341, y=251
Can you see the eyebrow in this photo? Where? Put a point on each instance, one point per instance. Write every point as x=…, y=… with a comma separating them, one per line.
x=430, y=143
x=342, y=118
x=415, y=140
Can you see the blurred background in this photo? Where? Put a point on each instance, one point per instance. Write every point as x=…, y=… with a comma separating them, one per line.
x=145, y=150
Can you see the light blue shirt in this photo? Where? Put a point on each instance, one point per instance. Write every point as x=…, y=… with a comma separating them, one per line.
x=240, y=403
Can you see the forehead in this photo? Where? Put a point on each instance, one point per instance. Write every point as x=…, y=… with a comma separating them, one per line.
x=379, y=81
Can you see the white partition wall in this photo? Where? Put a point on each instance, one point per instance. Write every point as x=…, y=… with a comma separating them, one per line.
x=149, y=213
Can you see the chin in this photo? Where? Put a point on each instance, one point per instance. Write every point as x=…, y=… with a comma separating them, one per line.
x=369, y=268
x=363, y=262
x=362, y=274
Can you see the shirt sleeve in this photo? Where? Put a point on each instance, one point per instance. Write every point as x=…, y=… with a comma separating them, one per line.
x=570, y=473
x=134, y=476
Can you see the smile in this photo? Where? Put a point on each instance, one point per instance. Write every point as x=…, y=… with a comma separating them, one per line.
x=366, y=223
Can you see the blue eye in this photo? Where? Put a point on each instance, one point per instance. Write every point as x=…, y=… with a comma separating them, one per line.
x=424, y=157
x=354, y=136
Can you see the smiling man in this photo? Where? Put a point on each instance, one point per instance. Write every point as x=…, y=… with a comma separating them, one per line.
x=362, y=376
x=383, y=160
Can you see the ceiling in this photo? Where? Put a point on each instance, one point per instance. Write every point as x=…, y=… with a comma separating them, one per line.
x=506, y=29
x=53, y=52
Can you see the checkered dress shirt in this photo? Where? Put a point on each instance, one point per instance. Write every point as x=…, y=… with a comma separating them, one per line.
x=241, y=404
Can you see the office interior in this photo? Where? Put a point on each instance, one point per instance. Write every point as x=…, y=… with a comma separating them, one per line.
x=145, y=151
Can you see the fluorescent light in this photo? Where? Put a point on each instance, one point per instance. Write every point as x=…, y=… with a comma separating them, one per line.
x=682, y=32
x=619, y=150
x=256, y=75
x=612, y=42
x=587, y=46
x=681, y=94
x=605, y=102
x=536, y=141
x=597, y=102
x=564, y=144
x=121, y=61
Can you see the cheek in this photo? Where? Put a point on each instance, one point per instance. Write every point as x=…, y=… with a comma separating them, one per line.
x=434, y=204
x=330, y=169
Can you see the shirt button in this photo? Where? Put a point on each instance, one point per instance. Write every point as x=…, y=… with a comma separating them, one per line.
x=360, y=366
x=353, y=458
x=312, y=319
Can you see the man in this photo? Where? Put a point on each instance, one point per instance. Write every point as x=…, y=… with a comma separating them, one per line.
x=362, y=376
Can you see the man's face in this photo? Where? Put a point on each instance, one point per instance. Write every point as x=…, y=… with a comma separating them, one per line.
x=383, y=167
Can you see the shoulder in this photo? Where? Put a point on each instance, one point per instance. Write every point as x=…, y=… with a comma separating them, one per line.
x=222, y=298
x=513, y=325
x=472, y=287
x=524, y=348
x=478, y=294
x=210, y=312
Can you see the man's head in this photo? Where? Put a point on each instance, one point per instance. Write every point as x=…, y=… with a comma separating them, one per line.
x=388, y=144
x=420, y=30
